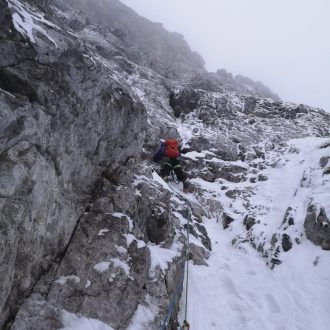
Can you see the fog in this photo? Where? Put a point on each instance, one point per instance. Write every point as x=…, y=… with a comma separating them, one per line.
x=283, y=43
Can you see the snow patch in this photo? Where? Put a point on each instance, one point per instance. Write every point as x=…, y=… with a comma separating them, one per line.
x=102, y=232
x=130, y=238
x=120, y=249
x=161, y=257
x=121, y=264
x=118, y=215
x=102, y=266
x=143, y=316
x=159, y=180
x=73, y=322
x=24, y=21
x=194, y=155
x=63, y=279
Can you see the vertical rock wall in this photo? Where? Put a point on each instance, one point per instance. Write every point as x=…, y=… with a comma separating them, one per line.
x=62, y=124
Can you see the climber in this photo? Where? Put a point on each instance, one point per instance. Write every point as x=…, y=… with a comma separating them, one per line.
x=169, y=154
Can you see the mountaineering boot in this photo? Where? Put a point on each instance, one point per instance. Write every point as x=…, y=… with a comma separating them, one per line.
x=185, y=325
x=185, y=187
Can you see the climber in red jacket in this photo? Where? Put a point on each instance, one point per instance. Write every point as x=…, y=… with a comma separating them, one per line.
x=169, y=152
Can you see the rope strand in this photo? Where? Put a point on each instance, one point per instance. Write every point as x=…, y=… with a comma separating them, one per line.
x=185, y=260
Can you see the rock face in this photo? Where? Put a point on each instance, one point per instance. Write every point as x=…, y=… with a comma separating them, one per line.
x=87, y=227
x=148, y=43
x=61, y=124
x=224, y=81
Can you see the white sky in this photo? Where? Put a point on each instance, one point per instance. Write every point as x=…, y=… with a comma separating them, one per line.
x=283, y=43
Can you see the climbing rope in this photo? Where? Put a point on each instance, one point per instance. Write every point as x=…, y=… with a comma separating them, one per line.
x=173, y=301
x=187, y=267
x=185, y=260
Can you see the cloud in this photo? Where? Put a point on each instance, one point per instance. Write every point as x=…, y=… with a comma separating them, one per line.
x=281, y=43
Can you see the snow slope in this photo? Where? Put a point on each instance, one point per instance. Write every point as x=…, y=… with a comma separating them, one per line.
x=237, y=290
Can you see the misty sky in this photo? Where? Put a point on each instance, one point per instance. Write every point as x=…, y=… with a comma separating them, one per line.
x=283, y=43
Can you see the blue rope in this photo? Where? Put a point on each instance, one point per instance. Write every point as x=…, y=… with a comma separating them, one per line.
x=170, y=307
x=173, y=301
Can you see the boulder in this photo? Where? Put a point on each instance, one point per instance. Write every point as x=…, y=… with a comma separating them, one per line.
x=184, y=101
x=158, y=225
x=226, y=220
x=198, y=254
x=286, y=242
x=249, y=221
x=38, y=314
x=317, y=227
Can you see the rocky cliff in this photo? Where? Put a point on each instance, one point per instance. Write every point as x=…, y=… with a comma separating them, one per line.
x=87, y=89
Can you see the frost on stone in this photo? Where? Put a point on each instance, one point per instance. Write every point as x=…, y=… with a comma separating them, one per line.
x=27, y=22
x=121, y=264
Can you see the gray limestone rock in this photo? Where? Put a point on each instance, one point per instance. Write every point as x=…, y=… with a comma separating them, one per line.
x=226, y=220
x=104, y=275
x=286, y=242
x=288, y=218
x=198, y=211
x=184, y=101
x=62, y=123
x=249, y=221
x=324, y=161
x=262, y=177
x=317, y=227
x=229, y=172
x=233, y=193
x=158, y=225
x=204, y=237
x=198, y=254
x=37, y=314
